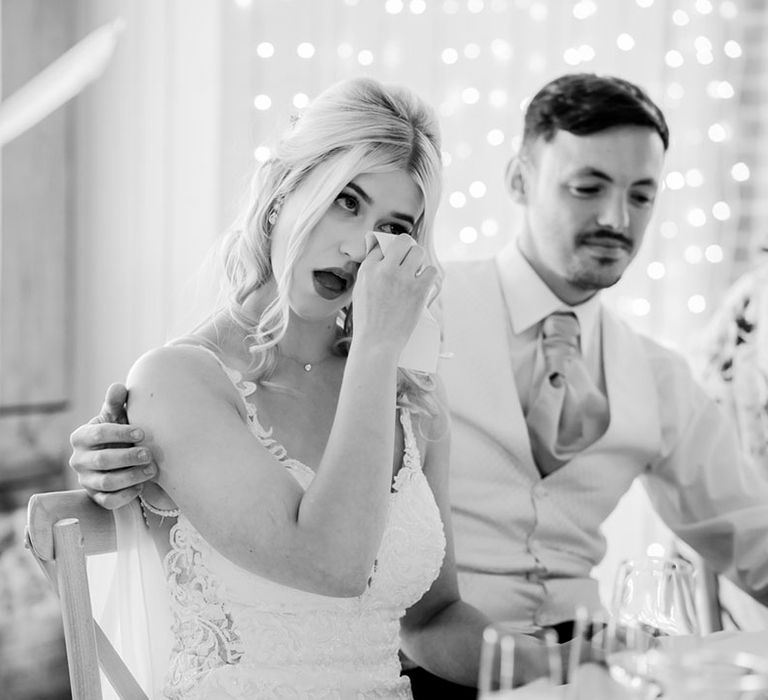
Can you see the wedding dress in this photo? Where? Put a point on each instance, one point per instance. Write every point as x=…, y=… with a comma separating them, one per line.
x=237, y=635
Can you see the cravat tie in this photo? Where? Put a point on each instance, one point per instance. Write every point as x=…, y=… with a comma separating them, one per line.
x=569, y=412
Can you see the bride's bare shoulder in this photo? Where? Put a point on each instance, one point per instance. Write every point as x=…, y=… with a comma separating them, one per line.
x=178, y=373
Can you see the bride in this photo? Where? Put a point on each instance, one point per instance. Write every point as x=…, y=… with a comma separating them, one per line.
x=300, y=501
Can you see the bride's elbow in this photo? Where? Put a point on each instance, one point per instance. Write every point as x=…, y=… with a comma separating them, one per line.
x=346, y=583
x=349, y=589
x=338, y=569
x=343, y=580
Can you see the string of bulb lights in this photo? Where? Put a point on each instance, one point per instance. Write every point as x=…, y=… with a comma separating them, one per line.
x=479, y=62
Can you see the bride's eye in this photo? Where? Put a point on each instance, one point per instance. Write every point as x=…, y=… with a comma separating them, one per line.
x=348, y=202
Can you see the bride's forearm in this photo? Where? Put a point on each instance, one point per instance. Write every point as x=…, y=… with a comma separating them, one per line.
x=448, y=644
x=345, y=508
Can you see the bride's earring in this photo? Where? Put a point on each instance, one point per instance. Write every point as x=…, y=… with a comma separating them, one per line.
x=274, y=212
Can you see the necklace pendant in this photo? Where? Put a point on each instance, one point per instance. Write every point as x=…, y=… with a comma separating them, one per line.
x=308, y=367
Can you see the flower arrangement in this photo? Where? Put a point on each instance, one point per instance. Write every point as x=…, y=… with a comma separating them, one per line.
x=735, y=359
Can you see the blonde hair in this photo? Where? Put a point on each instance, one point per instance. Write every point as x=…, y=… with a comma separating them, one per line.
x=356, y=126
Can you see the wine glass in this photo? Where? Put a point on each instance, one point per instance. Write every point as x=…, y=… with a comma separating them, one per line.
x=656, y=595
x=510, y=658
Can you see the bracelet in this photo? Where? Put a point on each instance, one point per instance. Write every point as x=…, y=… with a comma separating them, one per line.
x=170, y=513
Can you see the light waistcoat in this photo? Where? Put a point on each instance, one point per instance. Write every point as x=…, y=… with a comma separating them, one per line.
x=525, y=545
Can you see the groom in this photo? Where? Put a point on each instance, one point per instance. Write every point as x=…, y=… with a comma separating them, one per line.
x=557, y=405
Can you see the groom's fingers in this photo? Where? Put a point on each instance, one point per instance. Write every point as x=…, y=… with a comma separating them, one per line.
x=113, y=408
x=113, y=480
x=95, y=436
x=109, y=460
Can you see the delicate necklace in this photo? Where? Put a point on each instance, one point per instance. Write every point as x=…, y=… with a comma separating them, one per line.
x=307, y=366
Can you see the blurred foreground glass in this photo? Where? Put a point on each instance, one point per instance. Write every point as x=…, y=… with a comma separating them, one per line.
x=704, y=674
x=604, y=643
x=656, y=594
x=509, y=658
x=646, y=665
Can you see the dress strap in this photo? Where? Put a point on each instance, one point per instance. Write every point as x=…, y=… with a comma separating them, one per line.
x=411, y=456
x=244, y=388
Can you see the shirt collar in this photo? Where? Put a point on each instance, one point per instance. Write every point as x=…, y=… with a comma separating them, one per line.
x=520, y=281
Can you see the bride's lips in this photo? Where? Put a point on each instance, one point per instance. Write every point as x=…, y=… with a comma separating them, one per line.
x=331, y=282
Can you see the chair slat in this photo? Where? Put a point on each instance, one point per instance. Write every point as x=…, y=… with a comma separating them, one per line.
x=115, y=670
x=79, y=635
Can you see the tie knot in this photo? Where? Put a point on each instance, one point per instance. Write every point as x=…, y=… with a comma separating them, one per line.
x=561, y=329
x=559, y=342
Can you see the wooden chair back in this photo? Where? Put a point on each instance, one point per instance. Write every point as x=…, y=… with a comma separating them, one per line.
x=63, y=529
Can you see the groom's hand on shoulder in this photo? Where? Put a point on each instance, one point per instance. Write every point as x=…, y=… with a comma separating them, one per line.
x=110, y=462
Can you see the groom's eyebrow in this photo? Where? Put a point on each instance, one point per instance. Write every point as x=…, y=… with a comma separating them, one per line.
x=600, y=175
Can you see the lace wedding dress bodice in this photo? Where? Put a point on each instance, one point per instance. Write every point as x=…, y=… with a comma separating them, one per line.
x=238, y=635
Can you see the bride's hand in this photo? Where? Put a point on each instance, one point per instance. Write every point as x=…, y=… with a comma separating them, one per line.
x=390, y=292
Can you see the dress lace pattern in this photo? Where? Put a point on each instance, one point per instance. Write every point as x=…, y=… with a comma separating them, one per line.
x=238, y=635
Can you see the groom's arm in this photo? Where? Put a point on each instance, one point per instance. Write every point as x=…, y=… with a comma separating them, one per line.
x=107, y=454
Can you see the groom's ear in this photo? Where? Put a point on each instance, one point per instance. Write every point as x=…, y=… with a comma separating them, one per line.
x=515, y=178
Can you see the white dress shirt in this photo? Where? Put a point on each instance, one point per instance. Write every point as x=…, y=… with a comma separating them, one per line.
x=525, y=545
x=519, y=281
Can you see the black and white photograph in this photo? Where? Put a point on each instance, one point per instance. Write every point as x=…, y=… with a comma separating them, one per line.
x=383, y=349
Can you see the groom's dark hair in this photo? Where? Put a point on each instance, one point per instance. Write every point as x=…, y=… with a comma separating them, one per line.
x=586, y=103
